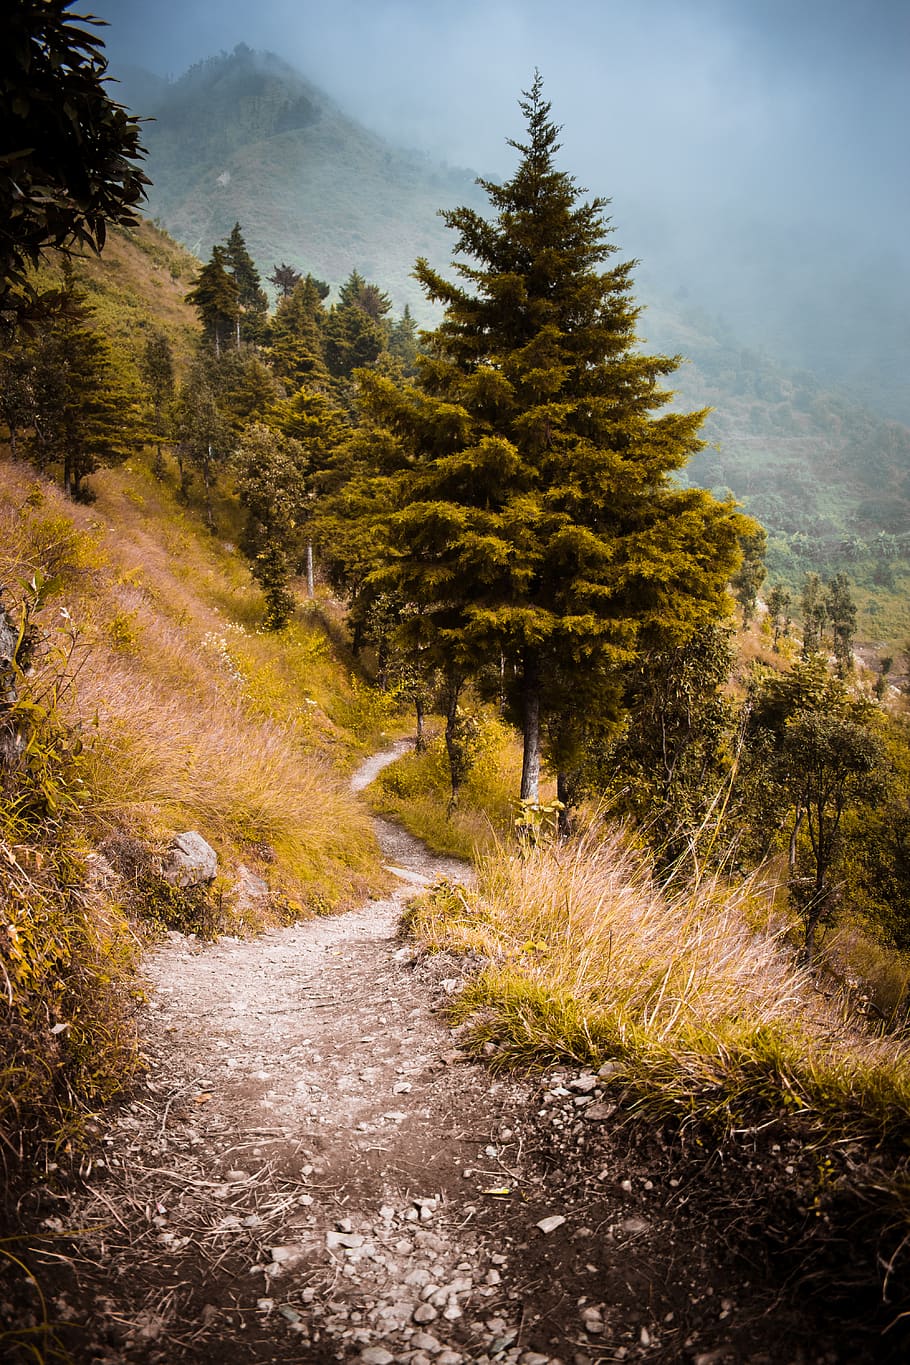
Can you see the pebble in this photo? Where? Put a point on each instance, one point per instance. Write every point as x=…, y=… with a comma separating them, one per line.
x=633, y=1225
x=584, y=1083
x=533, y=1358
x=425, y=1341
x=376, y=1355
x=548, y=1225
x=425, y=1312
x=593, y=1321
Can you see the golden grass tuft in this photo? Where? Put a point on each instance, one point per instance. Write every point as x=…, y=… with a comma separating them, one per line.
x=589, y=960
x=416, y=791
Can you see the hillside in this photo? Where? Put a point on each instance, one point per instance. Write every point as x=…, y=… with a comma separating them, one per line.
x=245, y=137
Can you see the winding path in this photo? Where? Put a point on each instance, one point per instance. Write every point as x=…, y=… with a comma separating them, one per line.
x=313, y=1172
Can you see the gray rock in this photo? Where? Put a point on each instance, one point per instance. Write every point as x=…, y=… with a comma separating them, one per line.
x=376, y=1355
x=425, y=1341
x=9, y=638
x=425, y=1312
x=251, y=891
x=190, y=860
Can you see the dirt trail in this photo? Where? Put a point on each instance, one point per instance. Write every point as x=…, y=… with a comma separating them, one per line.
x=314, y=1173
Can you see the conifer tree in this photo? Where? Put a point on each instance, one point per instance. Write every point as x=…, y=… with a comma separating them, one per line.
x=216, y=298
x=297, y=352
x=85, y=404
x=284, y=277
x=538, y=519
x=157, y=369
x=254, y=303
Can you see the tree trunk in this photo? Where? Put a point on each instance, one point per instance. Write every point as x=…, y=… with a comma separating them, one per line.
x=564, y=796
x=158, y=469
x=420, y=743
x=530, y=759
x=68, y=475
x=206, y=479
x=310, y=578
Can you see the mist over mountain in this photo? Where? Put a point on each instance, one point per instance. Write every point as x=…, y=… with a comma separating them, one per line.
x=243, y=136
x=754, y=150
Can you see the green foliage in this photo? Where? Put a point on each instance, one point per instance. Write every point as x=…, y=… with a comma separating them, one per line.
x=272, y=487
x=670, y=765
x=813, y=753
x=251, y=297
x=202, y=431
x=72, y=393
x=68, y=166
x=536, y=519
x=216, y=297
x=779, y=605
x=751, y=573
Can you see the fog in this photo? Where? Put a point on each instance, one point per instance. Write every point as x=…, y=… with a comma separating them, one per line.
x=755, y=151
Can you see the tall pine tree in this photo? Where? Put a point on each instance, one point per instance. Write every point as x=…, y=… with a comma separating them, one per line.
x=538, y=518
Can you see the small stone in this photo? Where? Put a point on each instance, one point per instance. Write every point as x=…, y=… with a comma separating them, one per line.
x=592, y=1320
x=496, y=1325
x=548, y=1225
x=376, y=1355
x=418, y=1276
x=584, y=1083
x=607, y=1070
x=492, y=1277
x=287, y=1255
x=533, y=1358
x=425, y=1341
x=635, y=1225
x=626, y=1185
x=599, y=1112
x=452, y=1313
x=425, y=1312
x=449, y=1358
x=644, y=1337
x=344, y=1225
x=403, y=1246
x=347, y=1240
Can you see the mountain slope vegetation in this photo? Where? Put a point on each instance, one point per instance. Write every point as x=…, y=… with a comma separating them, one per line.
x=244, y=137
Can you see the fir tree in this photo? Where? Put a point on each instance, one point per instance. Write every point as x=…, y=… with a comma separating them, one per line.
x=216, y=298
x=297, y=352
x=157, y=369
x=538, y=519
x=85, y=411
x=254, y=303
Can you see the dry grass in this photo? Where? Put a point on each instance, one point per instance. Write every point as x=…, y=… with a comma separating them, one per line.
x=705, y=1017
x=416, y=790
x=194, y=718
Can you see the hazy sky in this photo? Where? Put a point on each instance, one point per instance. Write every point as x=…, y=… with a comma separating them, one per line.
x=735, y=137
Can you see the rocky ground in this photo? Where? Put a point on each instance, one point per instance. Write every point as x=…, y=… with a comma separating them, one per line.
x=314, y=1172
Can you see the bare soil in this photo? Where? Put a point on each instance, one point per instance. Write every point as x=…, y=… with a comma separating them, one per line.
x=313, y=1171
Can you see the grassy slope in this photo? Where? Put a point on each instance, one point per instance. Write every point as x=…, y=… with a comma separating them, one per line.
x=156, y=704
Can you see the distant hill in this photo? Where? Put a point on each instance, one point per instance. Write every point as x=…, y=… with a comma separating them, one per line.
x=245, y=137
